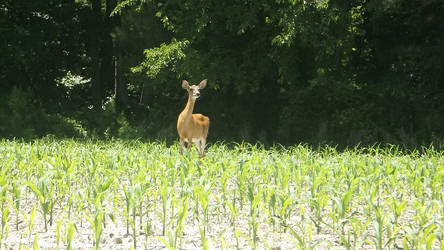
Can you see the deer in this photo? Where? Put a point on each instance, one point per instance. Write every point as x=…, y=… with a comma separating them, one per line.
x=192, y=128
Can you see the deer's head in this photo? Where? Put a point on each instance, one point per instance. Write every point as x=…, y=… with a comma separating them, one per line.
x=194, y=90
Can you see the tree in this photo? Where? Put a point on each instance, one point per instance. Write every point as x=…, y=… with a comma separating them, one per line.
x=291, y=71
x=39, y=45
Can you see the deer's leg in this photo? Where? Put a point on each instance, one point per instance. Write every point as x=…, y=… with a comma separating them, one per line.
x=199, y=147
x=197, y=144
x=202, y=146
x=190, y=142
x=181, y=142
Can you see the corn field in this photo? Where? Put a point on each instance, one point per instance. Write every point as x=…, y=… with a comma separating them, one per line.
x=67, y=194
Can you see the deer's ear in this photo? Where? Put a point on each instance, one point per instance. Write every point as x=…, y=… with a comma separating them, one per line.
x=202, y=84
x=185, y=85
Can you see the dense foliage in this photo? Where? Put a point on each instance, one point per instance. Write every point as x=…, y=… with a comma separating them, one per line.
x=320, y=71
x=132, y=195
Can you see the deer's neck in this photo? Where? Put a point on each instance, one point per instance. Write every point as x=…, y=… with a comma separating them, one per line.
x=189, y=107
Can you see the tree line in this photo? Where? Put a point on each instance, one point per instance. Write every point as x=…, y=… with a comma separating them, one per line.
x=279, y=71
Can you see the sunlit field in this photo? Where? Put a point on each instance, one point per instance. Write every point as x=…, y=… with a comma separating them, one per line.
x=120, y=195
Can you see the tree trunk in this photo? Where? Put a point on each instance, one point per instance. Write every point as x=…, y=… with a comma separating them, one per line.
x=120, y=90
x=95, y=52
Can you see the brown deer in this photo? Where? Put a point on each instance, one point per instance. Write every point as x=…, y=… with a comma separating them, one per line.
x=192, y=128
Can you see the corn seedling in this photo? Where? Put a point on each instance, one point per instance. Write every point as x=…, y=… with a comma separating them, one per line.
x=378, y=197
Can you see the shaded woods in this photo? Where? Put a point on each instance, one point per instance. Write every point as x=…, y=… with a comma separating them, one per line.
x=337, y=72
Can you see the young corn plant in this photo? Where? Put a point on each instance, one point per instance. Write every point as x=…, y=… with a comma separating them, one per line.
x=342, y=204
x=284, y=210
x=129, y=200
x=35, y=244
x=164, y=194
x=4, y=207
x=133, y=199
x=5, y=227
x=43, y=194
x=397, y=207
x=147, y=226
x=96, y=220
x=254, y=197
x=17, y=191
x=203, y=238
x=100, y=192
x=234, y=214
x=423, y=234
x=303, y=237
x=385, y=233
x=175, y=227
x=224, y=188
x=363, y=197
x=272, y=207
x=58, y=233
x=203, y=195
x=174, y=200
x=31, y=223
x=357, y=235
x=317, y=205
x=143, y=188
x=379, y=223
x=70, y=232
x=69, y=178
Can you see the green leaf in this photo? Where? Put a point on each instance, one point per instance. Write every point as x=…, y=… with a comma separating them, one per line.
x=165, y=242
x=284, y=207
x=429, y=241
x=296, y=236
x=36, y=191
x=107, y=184
x=203, y=238
x=35, y=245
x=171, y=238
x=5, y=215
x=161, y=57
x=58, y=229
x=70, y=234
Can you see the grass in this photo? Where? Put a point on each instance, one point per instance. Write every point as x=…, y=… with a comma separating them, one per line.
x=122, y=195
